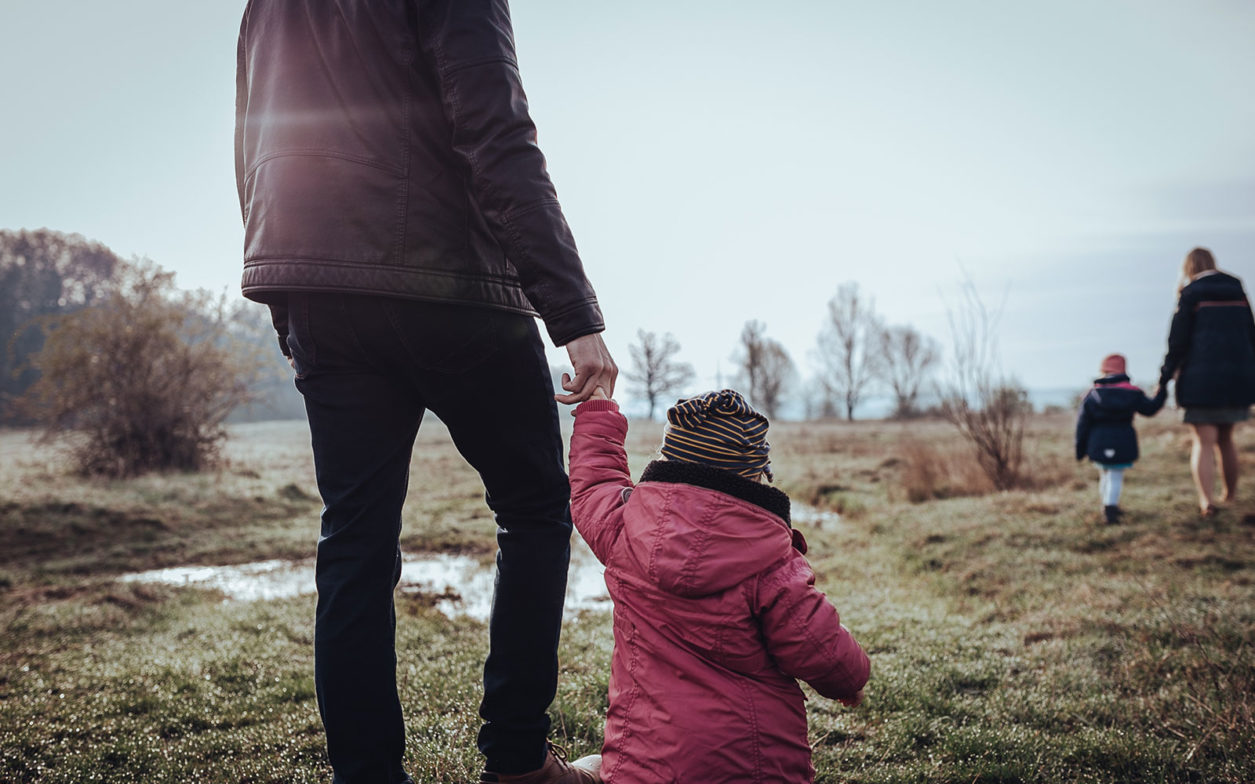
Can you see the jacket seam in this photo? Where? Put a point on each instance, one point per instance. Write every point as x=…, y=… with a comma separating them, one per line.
x=577, y=307
x=751, y=708
x=663, y=515
x=632, y=697
x=257, y=260
x=303, y=152
x=528, y=209
x=701, y=542
x=448, y=69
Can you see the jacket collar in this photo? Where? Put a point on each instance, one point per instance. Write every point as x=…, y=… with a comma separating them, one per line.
x=676, y=472
x=1114, y=378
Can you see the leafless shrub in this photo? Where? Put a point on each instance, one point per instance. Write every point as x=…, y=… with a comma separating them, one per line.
x=929, y=472
x=144, y=377
x=988, y=408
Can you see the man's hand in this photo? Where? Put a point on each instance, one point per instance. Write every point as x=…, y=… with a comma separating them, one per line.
x=594, y=368
x=852, y=702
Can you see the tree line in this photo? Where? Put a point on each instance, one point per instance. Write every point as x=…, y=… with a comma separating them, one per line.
x=148, y=375
x=856, y=355
x=145, y=374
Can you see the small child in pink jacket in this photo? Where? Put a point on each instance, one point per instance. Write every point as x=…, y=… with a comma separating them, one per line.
x=716, y=615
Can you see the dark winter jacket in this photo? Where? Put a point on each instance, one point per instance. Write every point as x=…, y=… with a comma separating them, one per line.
x=385, y=147
x=1104, y=428
x=1211, y=346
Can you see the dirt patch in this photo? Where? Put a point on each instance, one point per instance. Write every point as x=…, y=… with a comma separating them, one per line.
x=1212, y=561
x=73, y=538
x=37, y=530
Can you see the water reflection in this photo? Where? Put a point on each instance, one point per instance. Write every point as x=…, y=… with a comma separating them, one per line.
x=461, y=585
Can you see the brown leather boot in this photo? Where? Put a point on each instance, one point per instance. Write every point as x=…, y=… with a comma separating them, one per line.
x=556, y=770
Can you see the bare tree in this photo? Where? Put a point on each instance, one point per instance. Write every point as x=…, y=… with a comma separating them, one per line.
x=988, y=408
x=817, y=400
x=43, y=274
x=849, y=346
x=765, y=367
x=654, y=371
x=908, y=357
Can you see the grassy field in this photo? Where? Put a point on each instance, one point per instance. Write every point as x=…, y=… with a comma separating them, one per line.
x=1013, y=638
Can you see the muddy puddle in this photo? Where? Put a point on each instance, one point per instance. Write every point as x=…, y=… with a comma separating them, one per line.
x=461, y=585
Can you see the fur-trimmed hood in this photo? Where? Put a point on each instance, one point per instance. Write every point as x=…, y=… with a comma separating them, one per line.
x=697, y=530
x=757, y=493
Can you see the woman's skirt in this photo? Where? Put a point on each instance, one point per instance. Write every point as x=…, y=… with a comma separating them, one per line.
x=1216, y=416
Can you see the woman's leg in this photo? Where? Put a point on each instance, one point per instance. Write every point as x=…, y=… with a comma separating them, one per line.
x=1203, y=463
x=1228, y=460
x=1103, y=481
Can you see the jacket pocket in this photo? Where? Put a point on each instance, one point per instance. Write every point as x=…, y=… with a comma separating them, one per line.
x=317, y=205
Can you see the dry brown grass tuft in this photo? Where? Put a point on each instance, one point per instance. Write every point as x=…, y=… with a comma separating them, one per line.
x=930, y=471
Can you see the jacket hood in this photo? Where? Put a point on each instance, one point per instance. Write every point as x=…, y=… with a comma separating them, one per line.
x=1114, y=394
x=697, y=530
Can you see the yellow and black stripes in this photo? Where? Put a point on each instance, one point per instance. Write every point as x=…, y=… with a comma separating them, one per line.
x=719, y=429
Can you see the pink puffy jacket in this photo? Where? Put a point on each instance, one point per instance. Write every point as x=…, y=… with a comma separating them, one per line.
x=715, y=616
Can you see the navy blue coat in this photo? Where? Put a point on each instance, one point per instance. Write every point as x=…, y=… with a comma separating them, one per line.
x=1104, y=427
x=1211, y=346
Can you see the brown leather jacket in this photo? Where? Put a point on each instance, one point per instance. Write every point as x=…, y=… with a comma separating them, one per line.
x=384, y=147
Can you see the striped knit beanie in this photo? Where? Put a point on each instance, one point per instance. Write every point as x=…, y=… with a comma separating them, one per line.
x=718, y=429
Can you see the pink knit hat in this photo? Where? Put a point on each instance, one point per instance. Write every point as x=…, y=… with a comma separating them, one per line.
x=1112, y=364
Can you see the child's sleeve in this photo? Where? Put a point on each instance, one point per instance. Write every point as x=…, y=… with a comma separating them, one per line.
x=1149, y=406
x=804, y=634
x=600, y=479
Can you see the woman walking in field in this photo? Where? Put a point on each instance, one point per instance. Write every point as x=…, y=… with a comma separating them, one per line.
x=1211, y=354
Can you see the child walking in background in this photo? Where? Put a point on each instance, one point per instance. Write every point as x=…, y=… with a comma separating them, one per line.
x=1104, y=429
x=716, y=614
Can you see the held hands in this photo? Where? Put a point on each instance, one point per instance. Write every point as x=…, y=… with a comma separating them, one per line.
x=594, y=369
x=852, y=702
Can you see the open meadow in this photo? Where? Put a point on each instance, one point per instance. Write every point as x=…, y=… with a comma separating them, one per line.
x=1013, y=637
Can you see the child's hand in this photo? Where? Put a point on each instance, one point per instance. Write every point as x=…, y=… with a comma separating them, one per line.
x=852, y=702
x=599, y=394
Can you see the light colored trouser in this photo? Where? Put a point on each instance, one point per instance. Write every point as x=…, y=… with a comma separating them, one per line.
x=1110, y=483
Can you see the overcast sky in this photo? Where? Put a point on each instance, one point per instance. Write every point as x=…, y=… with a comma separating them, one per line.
x=721, y=161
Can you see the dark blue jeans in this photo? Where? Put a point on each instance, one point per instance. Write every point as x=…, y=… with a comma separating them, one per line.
x=369, y=367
